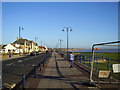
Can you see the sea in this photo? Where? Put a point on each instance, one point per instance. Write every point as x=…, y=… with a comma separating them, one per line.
x=99, y=51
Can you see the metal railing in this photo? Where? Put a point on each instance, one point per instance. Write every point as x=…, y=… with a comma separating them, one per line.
x=102, y=66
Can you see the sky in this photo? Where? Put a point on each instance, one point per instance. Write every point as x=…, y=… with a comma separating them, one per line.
x=91, y=22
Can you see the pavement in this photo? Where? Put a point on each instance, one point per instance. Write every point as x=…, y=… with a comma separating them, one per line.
x=6, y=57
x=58, y=74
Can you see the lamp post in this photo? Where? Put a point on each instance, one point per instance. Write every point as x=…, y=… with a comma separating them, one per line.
x=44, y=44
x=36, y=39
x=20, y=28
x=41, y=42
x=60, y=42
x=67, y=29
x=36, y=48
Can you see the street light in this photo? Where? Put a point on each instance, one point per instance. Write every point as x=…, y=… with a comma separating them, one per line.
x=67, y=29
x=60, y=42
x=41, y=42
x=36, y=49
x=36, y=39
x=44, y=44
x=20, y=28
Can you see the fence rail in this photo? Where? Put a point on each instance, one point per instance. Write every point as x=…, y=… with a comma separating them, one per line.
x=103, y=66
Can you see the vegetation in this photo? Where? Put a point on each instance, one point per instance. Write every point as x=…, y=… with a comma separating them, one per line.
x=111, y=58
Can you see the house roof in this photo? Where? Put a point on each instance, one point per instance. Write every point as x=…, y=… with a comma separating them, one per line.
x=2, y=46
x=42, y=47
x=9, y=46
x=20, y=41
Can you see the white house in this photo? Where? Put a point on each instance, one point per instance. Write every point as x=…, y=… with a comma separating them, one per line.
x=17, y=48
x=9, y=48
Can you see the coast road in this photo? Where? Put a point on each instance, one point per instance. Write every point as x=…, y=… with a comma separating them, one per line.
x=13, y=69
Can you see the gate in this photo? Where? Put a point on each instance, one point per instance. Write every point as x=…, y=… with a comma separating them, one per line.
x=105, y=64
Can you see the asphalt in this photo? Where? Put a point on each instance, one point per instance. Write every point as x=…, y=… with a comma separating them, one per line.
x=13, y=69
x=6, y=57
x=58, y=75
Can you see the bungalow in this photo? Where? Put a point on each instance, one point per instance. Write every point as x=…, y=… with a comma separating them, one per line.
x=8, y=48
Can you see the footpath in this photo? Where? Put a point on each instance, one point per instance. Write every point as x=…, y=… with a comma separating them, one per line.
x=58, y=74
x=6, y=57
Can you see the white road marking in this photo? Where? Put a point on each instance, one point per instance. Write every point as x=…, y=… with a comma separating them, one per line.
x=33, y=65
x=9, y=64
x=22, y=65
x=20, y=61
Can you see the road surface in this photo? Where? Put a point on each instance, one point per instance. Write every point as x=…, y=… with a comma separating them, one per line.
x=13, y=69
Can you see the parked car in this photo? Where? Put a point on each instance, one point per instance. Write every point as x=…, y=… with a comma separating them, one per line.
x=35, y=53
x=32, y=54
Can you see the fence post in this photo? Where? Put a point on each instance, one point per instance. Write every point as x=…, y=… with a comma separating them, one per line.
x=35, y=68
x=78, y=58
x=108, y=63
x=90, y=59
x=23, y=81
x=97, y=63
x=82, y=59
x=85, y=60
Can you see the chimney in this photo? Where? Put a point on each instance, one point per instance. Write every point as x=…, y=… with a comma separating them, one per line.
x=17, y=38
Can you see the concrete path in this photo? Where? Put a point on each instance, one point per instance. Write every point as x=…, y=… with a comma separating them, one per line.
x=58, y=74
x=6, y=57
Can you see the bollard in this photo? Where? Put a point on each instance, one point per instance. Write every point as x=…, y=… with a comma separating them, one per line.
x=40, y=67
x=35, y=74
x=23, y=81
x=43, y=63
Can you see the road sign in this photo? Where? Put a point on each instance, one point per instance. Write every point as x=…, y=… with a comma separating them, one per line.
x=104, y=73
x=116, y=68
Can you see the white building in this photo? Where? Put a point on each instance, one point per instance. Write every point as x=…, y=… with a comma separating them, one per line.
x=10, y=49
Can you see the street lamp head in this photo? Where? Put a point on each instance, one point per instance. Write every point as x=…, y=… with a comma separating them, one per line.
x=70, y=29
x=22, y=28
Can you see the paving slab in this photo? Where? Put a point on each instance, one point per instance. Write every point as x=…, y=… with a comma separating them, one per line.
x=44, y=83
x=58, y=74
